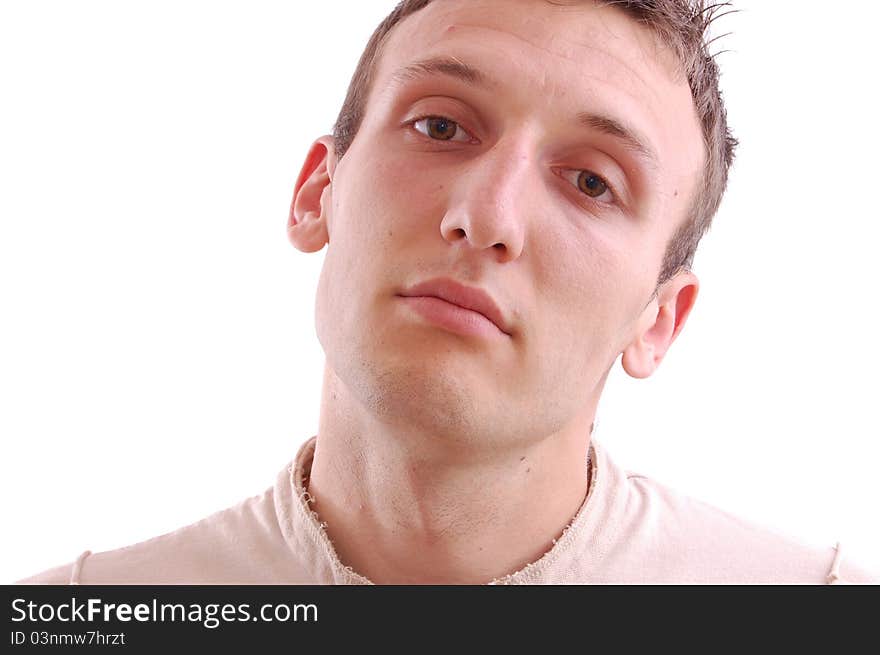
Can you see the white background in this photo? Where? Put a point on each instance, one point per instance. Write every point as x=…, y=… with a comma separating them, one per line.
x=158, y=358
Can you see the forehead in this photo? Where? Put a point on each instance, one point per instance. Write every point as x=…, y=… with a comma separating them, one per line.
x=552, y=61
x=563, y=31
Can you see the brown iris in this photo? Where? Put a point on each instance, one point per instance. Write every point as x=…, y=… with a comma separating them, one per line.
x=591, y=184
x=442, y=129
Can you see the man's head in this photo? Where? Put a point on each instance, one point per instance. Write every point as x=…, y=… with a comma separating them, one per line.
x=548, y=153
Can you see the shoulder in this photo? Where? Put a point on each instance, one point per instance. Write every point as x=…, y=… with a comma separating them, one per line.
x=63, y=574
x=238, y=545
x=696, y=542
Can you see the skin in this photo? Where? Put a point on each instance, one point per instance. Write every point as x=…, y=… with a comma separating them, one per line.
x=447, y=458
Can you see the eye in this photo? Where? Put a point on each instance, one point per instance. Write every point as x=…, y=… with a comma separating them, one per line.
x=590, y=184
x=441, y=128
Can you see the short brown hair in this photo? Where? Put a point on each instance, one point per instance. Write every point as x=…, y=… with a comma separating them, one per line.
x=682, y=26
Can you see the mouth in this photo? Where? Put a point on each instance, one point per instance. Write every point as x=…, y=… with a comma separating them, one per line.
x=459, y=308
x=453, y=317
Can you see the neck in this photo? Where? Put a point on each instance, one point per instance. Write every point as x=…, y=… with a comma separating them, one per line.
x=407, y=506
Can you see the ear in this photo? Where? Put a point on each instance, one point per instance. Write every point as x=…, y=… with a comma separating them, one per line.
x=660, y=323
x=307, y=221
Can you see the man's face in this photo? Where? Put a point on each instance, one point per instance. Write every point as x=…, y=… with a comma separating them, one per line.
x=516, y=184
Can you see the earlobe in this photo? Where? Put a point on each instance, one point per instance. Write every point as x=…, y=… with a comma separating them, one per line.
x=638, y=359
x=307, y=220
x=660, y=324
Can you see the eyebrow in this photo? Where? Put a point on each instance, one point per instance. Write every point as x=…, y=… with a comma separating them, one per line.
x=627, y=136
x=449, y=66
x=457, y=69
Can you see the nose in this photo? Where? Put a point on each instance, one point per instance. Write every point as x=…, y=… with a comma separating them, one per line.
x=490, y=201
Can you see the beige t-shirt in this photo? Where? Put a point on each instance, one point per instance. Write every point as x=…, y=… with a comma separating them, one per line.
x=629, y=529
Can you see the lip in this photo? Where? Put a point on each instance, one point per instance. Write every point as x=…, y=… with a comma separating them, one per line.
x=469, y=298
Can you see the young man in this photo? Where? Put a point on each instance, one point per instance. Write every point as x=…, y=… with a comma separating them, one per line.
x=511, y=199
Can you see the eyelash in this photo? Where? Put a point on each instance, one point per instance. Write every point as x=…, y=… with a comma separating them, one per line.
x=610, y=189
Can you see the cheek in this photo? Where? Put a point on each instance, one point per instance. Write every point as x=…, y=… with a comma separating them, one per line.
x=590, y=285
x=381, y=209
x=586, y=266
x=409, y=191
x=387, y=194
